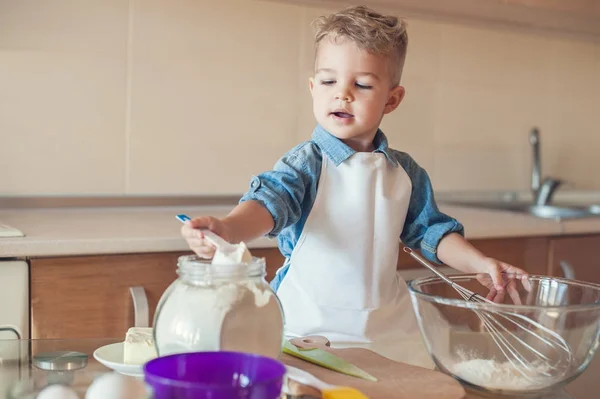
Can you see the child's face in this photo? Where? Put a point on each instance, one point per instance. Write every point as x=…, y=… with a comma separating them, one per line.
x=351, y=91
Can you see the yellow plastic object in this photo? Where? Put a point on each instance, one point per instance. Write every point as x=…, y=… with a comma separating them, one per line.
x=328, y=391
x=343, y=393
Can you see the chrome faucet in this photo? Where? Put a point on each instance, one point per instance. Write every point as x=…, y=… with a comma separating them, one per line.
x=536, y=167
x=543, y=191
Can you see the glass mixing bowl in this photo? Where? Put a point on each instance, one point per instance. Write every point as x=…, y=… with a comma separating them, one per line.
x=554, y=310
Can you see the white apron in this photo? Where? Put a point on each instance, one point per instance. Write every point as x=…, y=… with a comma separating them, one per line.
x=342, y=282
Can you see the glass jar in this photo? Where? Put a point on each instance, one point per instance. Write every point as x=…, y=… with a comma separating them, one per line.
x=219, y=308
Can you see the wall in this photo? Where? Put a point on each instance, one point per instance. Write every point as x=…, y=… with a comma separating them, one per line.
x=109, y=97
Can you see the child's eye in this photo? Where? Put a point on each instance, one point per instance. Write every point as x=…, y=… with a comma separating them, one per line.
x=327, y=82
x=361, y=86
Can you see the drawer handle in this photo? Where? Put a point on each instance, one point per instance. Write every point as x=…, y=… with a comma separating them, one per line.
x=567, y=270
x=11, y=329
x=141, y=315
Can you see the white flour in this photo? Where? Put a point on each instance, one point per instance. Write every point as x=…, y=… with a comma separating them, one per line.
x=240, y=254
x=224, y=317
x=489, y=373
x=237, y=316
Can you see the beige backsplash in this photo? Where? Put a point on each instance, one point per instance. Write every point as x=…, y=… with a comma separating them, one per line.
x=109, y=97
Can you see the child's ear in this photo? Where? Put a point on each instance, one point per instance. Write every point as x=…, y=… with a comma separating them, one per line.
x=394, y=99
x=311, y=84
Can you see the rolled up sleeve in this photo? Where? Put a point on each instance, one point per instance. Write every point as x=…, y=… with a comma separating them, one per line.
x=425, y=225
x=281, y=190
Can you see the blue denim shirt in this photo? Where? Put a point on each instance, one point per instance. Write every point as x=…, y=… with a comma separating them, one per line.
x=289, y=190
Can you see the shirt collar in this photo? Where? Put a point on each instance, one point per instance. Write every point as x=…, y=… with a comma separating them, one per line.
x=338, y=152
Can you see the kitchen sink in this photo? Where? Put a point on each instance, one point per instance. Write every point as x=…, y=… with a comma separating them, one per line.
x=561, y=212
x=541, y=211
x=562, y=208
x=544, y=200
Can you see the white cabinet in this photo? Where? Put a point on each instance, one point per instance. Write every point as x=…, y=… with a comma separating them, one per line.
x=14, y=319
x=14, y=299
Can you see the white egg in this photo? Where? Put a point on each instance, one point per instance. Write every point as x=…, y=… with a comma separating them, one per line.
x=116, y=386
x=57, y=392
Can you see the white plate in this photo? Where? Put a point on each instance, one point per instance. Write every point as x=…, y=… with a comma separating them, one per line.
x=112, y=357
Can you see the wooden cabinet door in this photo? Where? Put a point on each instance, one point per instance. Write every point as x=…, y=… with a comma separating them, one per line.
x=528, y=253
x=578, y=253
x=273, y=259
x=88, y=296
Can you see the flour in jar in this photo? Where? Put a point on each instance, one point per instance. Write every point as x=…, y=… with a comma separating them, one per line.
x=234, y=315
x=230, y=316
x=492, y=374
x=239, y=253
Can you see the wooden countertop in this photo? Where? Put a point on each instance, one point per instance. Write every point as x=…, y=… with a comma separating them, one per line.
x=111, y=230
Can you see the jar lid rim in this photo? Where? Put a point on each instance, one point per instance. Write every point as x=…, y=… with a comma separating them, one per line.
x=196, y=267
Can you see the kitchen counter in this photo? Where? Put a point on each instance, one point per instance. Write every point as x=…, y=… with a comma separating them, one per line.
x=112, y=230
x=86, y=231
x=584, y=387
x=488, y=223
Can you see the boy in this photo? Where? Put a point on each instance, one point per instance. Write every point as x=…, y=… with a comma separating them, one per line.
x=340, y=203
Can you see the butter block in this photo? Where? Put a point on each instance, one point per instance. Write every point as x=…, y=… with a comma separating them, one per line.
x=138, y=347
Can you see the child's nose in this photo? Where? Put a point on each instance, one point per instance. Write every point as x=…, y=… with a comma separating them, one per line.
x=344, y=95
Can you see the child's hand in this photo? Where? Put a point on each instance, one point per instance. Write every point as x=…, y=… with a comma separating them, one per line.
x=500, y=277
x=195, y=239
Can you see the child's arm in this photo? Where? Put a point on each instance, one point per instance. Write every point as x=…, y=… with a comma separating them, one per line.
x=273, y=202
x=247, y=221
x=440, y=239
x=458, y=253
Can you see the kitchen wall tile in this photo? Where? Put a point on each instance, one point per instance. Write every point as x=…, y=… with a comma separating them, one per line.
x=62, y=123
x=413, y=122
x=494, y=57
x=423, y=55
x=572, y=141
x=306, y=119
x=64, y=25
x=62, y=96
x=214, y=93
x=194, y=96
x=574, y=69
x=484, y=115
x=492, y=167
x=573, y=137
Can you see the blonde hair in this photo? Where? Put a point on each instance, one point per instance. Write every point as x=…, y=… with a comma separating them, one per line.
x=383, y=35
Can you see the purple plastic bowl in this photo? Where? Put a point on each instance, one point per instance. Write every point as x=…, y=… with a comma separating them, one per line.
x=215, y=375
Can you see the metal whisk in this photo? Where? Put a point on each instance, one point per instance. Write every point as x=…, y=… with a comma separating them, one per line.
x=550, y=357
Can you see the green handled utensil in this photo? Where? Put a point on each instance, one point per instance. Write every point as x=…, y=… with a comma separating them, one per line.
x=311, y=352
